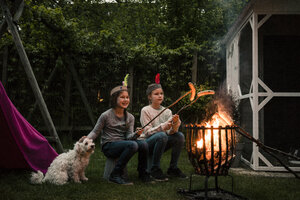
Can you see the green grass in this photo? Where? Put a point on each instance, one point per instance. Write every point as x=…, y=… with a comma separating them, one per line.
x=14, y=185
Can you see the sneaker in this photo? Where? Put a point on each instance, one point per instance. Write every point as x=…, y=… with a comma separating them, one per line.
x=176, y=172
x=158, y=175
x=119, y=180
x=146, y=178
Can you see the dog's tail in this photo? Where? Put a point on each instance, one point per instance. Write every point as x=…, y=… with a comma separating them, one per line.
x=36, y=177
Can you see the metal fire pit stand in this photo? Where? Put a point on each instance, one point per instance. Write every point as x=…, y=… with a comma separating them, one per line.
x=207, y=193
x=210, y=162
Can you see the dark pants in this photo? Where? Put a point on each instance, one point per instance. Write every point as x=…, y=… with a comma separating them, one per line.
x=160, y=142
x=124, y=150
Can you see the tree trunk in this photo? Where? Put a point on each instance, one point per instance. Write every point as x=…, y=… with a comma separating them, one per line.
x=81, y=91
x=47, y=84
x=130, y=85
x=194, y=68
x=3, y=28
x=66, y=115
x=4, y=69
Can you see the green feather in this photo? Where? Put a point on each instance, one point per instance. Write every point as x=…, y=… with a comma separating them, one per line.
x=125, y=82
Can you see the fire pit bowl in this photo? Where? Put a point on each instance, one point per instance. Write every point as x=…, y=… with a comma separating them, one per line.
x=211, y=150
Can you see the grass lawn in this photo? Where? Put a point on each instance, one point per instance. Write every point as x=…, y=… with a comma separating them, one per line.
x=14, y=185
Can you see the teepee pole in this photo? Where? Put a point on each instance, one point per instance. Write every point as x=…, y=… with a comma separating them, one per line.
x=32, y=80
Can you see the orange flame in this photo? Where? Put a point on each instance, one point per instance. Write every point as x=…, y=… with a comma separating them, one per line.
x=214, y=144
x=218, y=119
x=200, y=144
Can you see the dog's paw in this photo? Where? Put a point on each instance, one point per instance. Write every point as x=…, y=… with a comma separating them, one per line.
x=84, y=179
x=77, y=181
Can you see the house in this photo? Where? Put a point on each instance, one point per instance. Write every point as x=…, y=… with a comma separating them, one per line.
x=263, y=72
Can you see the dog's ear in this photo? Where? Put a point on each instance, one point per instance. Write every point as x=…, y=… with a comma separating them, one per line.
x=77, y=147
x=82, y=138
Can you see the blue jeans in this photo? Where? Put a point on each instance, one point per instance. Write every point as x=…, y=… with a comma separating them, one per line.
x=124, y=150
x=160, y=142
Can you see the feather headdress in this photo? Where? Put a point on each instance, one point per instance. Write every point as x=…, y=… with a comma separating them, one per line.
x=157, y=78
x=155, y=85
x=122, y=87
x=125, y=82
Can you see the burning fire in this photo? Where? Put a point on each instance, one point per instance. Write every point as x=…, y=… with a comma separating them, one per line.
x=200, y=144
x=211, y=145
x=218, y=119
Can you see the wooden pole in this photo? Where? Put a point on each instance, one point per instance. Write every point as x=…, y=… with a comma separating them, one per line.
x=30, y=74
x=130, y=84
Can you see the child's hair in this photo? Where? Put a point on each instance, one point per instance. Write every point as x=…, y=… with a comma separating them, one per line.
x=114, y=103
x=151, y=88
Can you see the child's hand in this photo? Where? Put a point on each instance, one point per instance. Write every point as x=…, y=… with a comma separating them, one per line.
x=167, y=125
x=139, y=131
x=175, y=118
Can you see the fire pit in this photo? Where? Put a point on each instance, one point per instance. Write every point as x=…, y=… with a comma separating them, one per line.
x=211, y=150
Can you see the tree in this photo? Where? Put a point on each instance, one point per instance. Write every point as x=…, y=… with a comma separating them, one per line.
x=107, y=40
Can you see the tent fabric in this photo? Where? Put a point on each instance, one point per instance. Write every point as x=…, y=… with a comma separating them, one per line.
x=21, y=145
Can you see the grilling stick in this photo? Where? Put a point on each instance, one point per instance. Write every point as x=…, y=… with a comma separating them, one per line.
x=247, y=135
x=268, y=149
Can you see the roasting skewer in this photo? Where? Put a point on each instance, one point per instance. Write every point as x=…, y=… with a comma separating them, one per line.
x=248, y=136
x=267, y=149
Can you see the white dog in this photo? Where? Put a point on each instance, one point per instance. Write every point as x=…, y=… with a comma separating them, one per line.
x=69, y=165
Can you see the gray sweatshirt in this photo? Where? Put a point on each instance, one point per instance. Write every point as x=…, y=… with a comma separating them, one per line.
x=113, y=128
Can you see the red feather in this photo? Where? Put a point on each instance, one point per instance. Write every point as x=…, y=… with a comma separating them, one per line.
x=157, y=78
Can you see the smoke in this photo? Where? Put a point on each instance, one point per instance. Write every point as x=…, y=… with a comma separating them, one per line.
x=223, y=101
